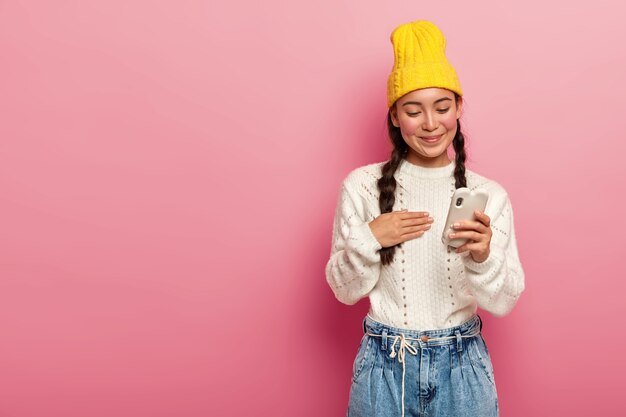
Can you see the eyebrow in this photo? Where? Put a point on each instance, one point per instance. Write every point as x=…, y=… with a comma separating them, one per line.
x=419, y=104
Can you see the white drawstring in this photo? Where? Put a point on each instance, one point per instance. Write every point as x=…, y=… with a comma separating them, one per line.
x=404, y=345
x=401, y=355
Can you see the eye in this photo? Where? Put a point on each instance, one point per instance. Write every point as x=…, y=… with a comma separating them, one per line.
x=441, y=111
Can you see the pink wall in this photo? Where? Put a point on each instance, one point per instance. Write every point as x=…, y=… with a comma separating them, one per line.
x=169, y=172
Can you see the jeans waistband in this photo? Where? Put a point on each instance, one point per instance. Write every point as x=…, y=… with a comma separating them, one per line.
x=469, y=328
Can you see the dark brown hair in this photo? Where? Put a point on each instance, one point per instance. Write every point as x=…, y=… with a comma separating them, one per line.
x=387, y=183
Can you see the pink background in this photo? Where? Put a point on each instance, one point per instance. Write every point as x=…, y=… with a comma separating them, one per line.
x=169, y=172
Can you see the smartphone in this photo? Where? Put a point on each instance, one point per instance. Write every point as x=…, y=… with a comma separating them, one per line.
x=462, y=205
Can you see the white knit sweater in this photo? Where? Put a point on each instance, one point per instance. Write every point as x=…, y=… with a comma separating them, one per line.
x=428, y=285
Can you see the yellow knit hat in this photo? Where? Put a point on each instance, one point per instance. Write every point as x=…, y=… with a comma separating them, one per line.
x=419, y=61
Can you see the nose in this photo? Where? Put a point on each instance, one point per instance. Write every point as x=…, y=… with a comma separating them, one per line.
x=429, y=122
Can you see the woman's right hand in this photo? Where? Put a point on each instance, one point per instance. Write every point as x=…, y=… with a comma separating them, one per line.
x=399, y=226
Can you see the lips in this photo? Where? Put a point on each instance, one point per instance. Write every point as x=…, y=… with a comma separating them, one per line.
x=430, y=139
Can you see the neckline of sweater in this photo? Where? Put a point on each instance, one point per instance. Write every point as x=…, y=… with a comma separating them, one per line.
x=419, y=171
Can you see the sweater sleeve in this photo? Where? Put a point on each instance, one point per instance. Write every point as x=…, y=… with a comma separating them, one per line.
x=498, y=281
x=354, y=265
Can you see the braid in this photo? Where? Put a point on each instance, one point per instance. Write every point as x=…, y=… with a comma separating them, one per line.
x=459, y=149
x=387, y=183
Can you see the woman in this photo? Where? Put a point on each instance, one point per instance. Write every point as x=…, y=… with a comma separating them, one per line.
x=422, y=351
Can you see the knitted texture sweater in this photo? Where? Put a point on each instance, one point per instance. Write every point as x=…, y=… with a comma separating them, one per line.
x=428, y=285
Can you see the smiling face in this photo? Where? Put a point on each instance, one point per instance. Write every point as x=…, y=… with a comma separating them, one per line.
x=424, y=113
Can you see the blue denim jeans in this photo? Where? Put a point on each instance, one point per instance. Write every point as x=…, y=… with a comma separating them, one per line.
x=434, y=373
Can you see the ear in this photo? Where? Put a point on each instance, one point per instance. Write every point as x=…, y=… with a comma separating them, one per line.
x=459, y=107
x=394, y=116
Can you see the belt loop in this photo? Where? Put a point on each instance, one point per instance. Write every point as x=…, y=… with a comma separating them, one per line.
x=459, y=341
x=383, y=345
x=364, y=328
x=481, y=323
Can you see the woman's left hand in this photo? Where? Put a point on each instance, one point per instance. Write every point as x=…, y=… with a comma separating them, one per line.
x=479, y=235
